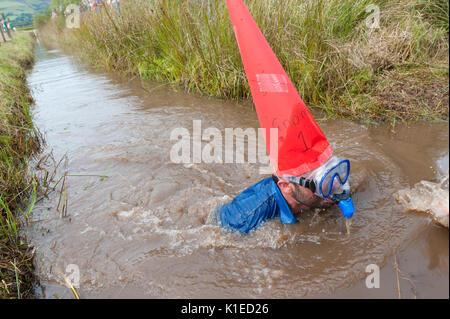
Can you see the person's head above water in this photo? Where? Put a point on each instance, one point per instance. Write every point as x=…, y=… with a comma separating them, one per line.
x=300, y=197
x=320, y=187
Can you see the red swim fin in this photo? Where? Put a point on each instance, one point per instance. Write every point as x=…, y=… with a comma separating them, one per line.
x=302, y=146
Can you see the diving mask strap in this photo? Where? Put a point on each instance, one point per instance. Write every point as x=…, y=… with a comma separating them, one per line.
x=307, y=183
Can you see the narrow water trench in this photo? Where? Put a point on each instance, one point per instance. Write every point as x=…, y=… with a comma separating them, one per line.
x=135, y=224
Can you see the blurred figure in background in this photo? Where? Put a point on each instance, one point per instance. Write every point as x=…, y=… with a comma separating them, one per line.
x=92, y=4
x=98, y=5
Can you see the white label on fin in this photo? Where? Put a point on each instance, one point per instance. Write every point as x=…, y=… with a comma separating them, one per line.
x=272, y=83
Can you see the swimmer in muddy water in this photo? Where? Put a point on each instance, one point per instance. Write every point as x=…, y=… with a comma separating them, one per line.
x=307, y=174
x=286, y=196
x=268, y=199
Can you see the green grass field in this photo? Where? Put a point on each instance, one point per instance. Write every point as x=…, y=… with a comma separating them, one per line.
x=21, y=12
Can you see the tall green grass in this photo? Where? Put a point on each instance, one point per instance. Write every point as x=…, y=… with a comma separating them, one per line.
x=19, y=141
x=337, y=63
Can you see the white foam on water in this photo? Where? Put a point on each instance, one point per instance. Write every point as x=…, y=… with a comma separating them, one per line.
x=428, y=197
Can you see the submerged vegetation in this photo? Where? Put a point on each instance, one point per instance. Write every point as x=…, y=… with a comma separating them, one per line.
x=19, y=141
x=333, y=51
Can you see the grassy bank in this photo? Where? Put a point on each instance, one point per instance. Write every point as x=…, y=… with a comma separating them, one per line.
x=398, y=71
x=18, y=142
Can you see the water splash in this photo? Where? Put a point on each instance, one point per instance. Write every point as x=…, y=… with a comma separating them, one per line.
x=428, y=197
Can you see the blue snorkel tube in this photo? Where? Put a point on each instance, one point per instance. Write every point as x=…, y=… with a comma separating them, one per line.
x=346, y=205
x=344, y=201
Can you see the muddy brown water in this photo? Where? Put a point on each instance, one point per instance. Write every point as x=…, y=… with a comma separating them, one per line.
x=141, y=232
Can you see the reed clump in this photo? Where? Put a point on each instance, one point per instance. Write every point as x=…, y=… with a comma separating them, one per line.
x=19, y=141
x=341, y=59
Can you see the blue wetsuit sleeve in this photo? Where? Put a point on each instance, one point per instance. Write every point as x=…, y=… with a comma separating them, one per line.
x=286, y=216
x=250, y=208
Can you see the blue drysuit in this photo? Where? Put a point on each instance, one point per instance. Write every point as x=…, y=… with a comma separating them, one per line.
x=255, y=205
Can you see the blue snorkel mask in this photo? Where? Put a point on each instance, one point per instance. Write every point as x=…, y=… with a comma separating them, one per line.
x=330, y=181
